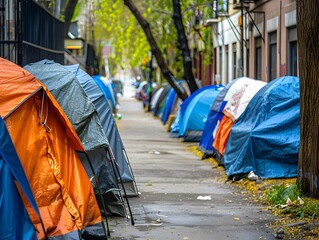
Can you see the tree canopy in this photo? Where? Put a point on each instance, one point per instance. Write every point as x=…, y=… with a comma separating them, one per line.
x=117, y=26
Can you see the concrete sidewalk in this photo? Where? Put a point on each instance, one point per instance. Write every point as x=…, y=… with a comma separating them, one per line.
x=171, y=179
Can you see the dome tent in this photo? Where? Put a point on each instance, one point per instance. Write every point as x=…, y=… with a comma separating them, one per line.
x=194, y=111
x=67, y=90
x=47, y=150
x=109, y=126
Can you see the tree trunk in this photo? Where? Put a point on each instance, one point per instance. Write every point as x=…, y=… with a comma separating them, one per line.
x=183, y=45
x=308, y=52
x=180, y=91
x=68, y=13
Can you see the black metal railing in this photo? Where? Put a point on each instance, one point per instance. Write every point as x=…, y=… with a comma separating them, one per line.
x=29, y=33
x=8, y=33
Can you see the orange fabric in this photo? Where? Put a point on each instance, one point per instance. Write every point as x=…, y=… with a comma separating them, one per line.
x=222, y=134
x=17, y=85
x=11, y=95
x=60, y=185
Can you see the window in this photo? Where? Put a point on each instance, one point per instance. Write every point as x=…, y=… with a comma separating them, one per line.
x=258, y=58
x=272, y=56
x=234, y=60
x=292, y=52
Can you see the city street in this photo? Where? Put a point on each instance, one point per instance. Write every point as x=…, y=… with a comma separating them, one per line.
x=181, y=197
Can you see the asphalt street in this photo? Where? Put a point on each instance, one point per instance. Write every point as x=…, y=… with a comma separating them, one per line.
x=181, y=197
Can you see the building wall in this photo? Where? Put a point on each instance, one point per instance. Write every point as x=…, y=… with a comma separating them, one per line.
x=272, y=17
x=276, y=21
x=227, y=47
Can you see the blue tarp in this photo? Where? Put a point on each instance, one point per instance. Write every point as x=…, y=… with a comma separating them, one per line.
x=14, y=219
x=215, y=115
x=265, y=138
x=194, y=111
x=168, y=105
x=106, y=89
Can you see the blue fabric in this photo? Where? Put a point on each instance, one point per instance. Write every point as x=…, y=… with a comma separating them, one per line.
x=107, y=90
x=265, y=138
x=214, y=116
x=176, y=123
x=194, y=110
x=168, y=105
x=14, y=219
x=206, y=142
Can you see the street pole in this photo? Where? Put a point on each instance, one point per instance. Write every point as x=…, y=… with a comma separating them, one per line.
x=241, y=24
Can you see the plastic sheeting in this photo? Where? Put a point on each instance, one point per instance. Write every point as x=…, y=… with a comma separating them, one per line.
x=100, y=101
x=14, y=219
x=194, y=111
x=214, y=116
x=265, y=139
x=232, y=97
x=47, y=151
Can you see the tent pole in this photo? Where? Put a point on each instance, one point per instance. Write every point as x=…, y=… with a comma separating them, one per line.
x=45, y=233
x=116, y=173
x=121, y=181
x=100, y=193
x=128, y=163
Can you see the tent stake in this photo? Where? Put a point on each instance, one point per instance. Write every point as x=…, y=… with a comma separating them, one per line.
x=121, y=181
x=100, y=193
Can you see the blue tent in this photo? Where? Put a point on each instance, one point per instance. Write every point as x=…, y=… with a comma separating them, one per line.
x=265, y=138
x=107, y=90
x=14, y=219
x=215, y=115
x=194, y=111
x=168, y=105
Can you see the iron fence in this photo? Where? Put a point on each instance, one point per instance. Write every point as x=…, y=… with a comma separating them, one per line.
x=29, y=33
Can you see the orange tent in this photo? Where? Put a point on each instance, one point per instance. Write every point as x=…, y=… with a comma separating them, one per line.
x=46, y=144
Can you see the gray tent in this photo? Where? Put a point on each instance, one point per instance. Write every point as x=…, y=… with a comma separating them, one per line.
x=109, y=125
x=68, y=92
